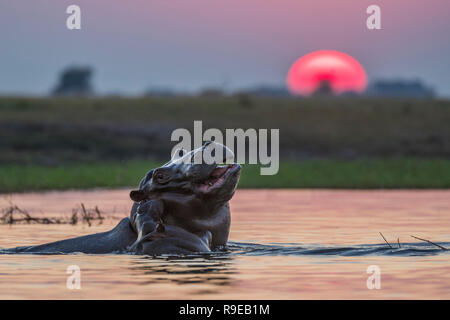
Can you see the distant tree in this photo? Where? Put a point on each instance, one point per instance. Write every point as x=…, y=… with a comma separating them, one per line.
x=160, y=93
x=211, y=92
x=324, y=89
x=401, y=88
x=268, y=91
x=75, y=81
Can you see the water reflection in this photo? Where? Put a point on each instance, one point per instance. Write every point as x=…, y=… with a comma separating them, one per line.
x=214, y=269
x=218, y=269
x=286, y=244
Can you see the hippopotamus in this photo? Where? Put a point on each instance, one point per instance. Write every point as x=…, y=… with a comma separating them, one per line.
x=179, y=208
x=155, y=237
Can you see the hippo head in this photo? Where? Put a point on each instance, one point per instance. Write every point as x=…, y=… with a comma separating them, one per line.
x=190, y=194
x=182, y=183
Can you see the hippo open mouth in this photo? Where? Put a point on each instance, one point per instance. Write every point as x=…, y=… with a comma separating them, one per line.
x=218, y=177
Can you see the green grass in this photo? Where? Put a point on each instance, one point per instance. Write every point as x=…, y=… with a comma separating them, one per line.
x=363, y=173
x=18, y=178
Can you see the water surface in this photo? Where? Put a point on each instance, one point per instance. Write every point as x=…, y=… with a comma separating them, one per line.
x=285, y=244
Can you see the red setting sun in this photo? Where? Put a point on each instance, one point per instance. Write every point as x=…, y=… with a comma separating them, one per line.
x=341, y=72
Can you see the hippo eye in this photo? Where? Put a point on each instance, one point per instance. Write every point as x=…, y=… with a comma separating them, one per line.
x=160, y=177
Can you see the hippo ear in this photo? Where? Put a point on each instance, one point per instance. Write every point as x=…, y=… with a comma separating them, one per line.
x=147, y=177
x=160, y=228
x=138, y=195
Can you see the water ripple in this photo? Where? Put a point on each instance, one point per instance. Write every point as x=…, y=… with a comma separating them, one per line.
x=292, y=249
x=407, y=249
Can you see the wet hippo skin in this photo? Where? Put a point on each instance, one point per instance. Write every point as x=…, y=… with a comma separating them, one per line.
x=181, y=207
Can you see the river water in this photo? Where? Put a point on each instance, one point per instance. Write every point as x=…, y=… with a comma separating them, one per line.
x=284, y=244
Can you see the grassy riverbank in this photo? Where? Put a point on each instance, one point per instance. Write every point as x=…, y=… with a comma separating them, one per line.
x=54, y=131
x=79, y=143
x=362, y=173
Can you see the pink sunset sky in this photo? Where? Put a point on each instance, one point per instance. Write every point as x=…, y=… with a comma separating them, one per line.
x=187, y=45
